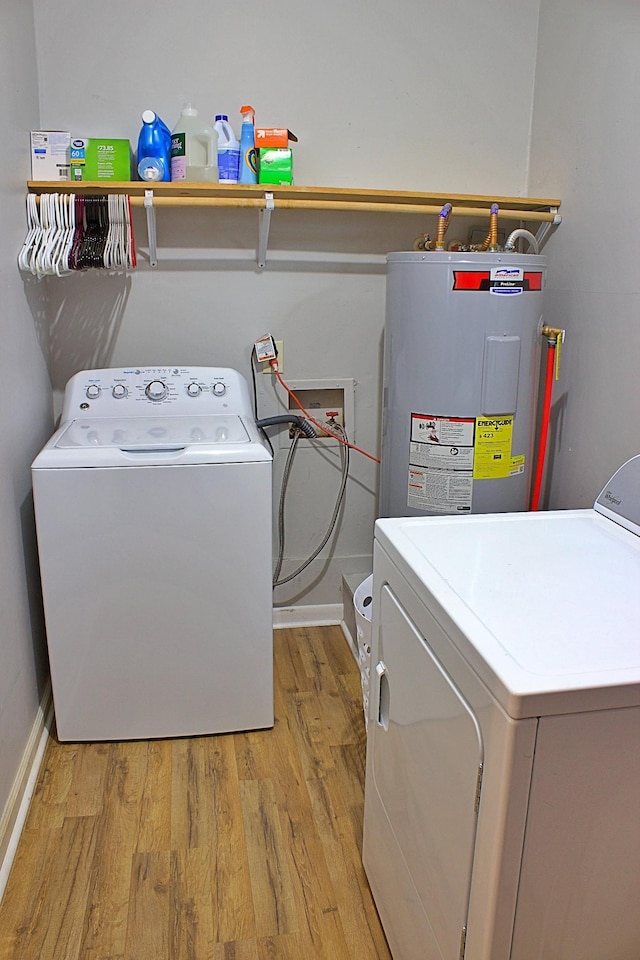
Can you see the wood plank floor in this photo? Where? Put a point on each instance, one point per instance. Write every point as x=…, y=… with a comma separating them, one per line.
x=240, y=846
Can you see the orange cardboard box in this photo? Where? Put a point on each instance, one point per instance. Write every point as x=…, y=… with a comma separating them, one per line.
x=274, y=137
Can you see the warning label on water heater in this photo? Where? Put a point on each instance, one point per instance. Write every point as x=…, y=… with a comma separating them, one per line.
x=441, y=463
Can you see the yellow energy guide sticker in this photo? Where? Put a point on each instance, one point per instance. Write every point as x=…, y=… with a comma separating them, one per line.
x=517, y=465
x=492, y=456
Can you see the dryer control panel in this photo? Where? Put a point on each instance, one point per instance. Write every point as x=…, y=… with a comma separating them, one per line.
x=147, y=391
x=620, y=498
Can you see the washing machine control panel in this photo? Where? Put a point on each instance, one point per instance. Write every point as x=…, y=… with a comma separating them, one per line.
x=145, y=391
x=156, y=390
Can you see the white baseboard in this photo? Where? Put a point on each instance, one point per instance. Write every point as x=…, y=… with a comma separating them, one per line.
x=313, y=615
x=320, y=615
x=17, y=806
x=353, y=643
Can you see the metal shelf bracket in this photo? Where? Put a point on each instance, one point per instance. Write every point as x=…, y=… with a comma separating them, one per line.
x=151, y=227
x=264, y=224
x=545, y=229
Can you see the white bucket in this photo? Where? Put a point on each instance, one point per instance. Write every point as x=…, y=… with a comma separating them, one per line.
x=363, y=604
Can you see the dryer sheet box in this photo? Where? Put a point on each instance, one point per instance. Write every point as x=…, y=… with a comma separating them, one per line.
x=275, y=166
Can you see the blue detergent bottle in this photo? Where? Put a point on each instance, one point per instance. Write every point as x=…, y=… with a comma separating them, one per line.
x=248, y=152
x=154, y=148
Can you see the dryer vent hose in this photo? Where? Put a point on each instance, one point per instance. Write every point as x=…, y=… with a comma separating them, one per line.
x=300, y=422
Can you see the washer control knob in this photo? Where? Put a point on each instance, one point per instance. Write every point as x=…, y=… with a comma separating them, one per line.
x=219, y=389
x=156, y=390
x=93, y=391
x=119, y=391
x=194, y=389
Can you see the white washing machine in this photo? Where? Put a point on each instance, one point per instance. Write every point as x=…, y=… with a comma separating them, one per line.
x=502, y=800
x=153, y=516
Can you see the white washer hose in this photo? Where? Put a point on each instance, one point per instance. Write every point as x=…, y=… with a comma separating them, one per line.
x=515, y=235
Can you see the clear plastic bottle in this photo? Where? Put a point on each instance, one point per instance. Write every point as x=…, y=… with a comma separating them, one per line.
x=194, y=148
x=248, y=152
x=228, y=150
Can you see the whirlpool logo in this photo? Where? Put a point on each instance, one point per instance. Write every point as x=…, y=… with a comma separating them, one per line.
x=612, y=498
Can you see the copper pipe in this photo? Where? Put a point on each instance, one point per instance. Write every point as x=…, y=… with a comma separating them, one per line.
x=443, y=224
x=491, y=240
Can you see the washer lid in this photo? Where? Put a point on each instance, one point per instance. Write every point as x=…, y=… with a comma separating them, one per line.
x=152, y=433
x=546, y=605
x=152, y=441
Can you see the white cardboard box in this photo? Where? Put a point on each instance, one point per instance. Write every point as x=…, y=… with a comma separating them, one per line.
x=50, y=155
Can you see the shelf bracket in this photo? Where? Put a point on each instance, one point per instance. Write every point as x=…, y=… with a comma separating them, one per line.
x=264, y=223
x=151, y=227
x=544, y=230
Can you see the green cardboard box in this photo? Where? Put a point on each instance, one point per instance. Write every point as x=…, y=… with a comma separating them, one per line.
x=93, y=158
x=275, y=165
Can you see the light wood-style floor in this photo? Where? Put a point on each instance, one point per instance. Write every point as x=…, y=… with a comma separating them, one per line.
x=241, y=846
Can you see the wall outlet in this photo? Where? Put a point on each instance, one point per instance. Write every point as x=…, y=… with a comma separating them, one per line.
x=266, y=366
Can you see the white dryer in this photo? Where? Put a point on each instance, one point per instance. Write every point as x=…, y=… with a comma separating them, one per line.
x=502, y=800
x=153, y=516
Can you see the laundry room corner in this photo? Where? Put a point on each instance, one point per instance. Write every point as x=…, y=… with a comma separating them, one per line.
x=25, y=422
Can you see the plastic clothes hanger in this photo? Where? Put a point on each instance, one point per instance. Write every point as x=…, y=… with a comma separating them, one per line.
x=33, y=229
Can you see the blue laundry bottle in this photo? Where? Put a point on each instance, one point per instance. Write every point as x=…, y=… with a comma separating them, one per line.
x=154, y=148
x=248, y=152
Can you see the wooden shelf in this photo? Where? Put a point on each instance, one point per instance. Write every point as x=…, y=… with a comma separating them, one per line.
x=311, y=198
x=265, y=198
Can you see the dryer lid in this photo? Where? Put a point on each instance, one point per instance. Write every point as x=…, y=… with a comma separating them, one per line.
x=545, y=605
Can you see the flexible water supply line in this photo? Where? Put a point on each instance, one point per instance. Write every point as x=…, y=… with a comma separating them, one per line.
x=493, y=227
x=491, y=240
x=510, y=244
x=443, y=225
x=344, y=456
x=300, y=422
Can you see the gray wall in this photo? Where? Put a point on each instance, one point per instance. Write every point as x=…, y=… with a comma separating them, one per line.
x=405, y=96
x=25, y=405
x=586, y=137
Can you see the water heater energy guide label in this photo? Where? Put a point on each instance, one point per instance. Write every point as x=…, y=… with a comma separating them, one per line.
x=493, y=448
x=441, y=463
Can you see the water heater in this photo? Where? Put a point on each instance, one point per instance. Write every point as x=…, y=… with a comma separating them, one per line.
x=461, y=367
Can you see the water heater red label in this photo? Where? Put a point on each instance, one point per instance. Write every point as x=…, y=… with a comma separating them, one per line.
x=498, y=279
